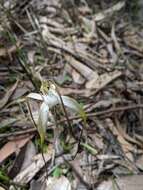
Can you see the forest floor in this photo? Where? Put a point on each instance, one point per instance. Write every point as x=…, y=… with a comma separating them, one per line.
x=92, y=52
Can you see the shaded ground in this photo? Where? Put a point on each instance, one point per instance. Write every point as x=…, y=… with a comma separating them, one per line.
x=94, y=53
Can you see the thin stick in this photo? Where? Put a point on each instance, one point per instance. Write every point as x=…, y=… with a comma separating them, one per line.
x=99, y=113
x=79, y=176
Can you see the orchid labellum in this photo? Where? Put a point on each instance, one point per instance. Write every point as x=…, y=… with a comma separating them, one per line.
x=50, y=98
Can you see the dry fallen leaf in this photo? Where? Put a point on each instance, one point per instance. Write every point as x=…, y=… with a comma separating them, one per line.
x=102, y=80
x=7, y=51
x=85, y=71
x=36, y=185
x=13, y=146
x=1, y=188
x=29, y=154
x=37, y=163
x=102, y=15
x=23, y=159
x=61, y=183
x=69, y=91
x=77, y=78
x=118, y=132
x=139, y=162
x=134, y=182
x=134, y=41
x=8, y=95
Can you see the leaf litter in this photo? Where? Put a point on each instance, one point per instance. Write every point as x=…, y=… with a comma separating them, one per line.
x=93, y=53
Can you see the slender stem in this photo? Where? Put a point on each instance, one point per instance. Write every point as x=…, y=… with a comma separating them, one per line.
x=31, y=115
x=42, y=152
x=66, y=115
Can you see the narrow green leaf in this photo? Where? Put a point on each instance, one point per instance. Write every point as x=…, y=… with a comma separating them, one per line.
x=89, y=148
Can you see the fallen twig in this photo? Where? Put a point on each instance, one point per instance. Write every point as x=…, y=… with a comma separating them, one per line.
x=99, y=113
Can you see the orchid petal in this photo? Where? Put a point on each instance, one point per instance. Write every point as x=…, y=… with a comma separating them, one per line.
x=35, y=96
x=74, y=105
x=42, y=120
x=51, y=100
x=71, y=103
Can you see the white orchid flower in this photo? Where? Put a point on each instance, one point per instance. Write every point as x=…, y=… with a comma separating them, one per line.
x=49, y=99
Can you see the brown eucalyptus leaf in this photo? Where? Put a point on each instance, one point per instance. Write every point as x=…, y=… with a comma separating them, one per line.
x=13, y=146
x=37, y=163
